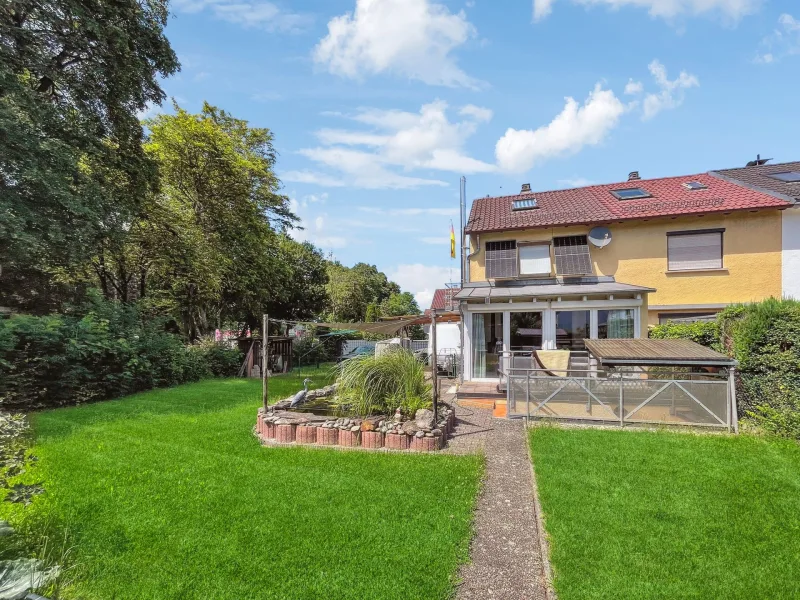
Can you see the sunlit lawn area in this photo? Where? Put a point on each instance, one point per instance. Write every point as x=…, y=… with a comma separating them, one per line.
x=644, y=515
x=167, y=494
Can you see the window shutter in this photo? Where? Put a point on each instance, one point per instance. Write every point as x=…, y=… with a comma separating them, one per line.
x=534, y=259
x=501, y=260
x=572, y=255
x=687, y=252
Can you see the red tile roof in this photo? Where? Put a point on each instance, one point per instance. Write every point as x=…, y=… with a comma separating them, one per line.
x=443, y=299
x=596, y=204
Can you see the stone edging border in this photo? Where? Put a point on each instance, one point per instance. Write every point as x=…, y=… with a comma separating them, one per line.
x=298, y=434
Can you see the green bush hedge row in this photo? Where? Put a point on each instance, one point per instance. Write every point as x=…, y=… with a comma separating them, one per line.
x=765, y=338
x=110, y=351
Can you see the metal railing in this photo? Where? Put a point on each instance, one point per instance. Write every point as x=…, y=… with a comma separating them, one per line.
x=635, y=396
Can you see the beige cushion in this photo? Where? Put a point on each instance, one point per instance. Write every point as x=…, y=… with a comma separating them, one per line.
x=556, y=361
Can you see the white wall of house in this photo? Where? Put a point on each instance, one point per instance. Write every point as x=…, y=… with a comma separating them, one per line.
x=548, y=308
x=448, y=337
x=790, y=263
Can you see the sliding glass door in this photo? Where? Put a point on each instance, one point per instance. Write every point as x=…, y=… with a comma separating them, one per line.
x=527, y=332
x=487, y=344
x=572, y=327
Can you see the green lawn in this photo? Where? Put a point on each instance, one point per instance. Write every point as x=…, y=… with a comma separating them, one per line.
x=167, y=494
x=643, y=515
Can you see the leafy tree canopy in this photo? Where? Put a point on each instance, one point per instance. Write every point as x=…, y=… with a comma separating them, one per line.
x=73, y=76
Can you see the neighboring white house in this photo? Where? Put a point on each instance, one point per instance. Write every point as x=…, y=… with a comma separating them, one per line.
x=783, y=181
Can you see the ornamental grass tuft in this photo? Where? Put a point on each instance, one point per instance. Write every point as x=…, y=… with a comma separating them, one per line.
x=370, y=385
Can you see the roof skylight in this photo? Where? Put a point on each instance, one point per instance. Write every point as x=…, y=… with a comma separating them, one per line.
x=630, y=194
x=788, y=176
x=695, y=185
x=525, y=204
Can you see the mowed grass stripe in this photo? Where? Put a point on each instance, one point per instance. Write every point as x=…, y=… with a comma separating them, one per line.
x=647, y=515
x=169, y=495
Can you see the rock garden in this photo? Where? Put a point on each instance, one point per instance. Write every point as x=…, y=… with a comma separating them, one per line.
x=376, y=403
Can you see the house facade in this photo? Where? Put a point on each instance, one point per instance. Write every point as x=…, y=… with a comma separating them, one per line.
x=547, y=270
x=783, y=181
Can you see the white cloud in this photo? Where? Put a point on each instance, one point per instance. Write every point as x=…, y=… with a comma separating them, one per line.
x=266, y=96
x=672, y=91
x=395, y=139
x=422, y=280
x=575, y=127
x=412, y=38
x=634, y=87
x=314, y=228
x=151, y=109
x=311, y=177
x=261, y=14
x=477, y=112
x=730, y=10
x=410, y=212
x=542, y=9
x=575, y=182
x=201, y=76
x=784, y=41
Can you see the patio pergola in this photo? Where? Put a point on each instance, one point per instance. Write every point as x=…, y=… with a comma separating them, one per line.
x=631, y=381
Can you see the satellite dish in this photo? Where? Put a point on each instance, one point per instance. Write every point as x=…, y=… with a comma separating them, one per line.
x=600, y=236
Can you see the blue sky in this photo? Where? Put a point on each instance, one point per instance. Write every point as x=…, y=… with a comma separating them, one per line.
x=379, y=106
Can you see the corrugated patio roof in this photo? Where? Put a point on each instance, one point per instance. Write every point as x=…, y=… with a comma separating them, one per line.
x=551, y=289
x=655, y=352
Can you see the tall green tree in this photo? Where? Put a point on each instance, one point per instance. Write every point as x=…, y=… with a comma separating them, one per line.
x=208, y=247
x=351, y=291
x=399, y=305
x=74, y=74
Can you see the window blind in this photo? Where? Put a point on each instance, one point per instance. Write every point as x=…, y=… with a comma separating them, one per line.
x=501, y=260
x=691, y=251
x=534, y=259
x=572, y=255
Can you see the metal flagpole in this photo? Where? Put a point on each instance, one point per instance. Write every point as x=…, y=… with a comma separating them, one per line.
x=264, y=358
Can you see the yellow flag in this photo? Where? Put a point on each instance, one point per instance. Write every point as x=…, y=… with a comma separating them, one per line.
x=452, y=242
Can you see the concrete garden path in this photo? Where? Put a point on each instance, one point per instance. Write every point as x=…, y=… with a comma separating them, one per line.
x=507, y=554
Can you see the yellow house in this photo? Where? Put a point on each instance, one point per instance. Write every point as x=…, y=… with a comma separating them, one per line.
x=548, y=270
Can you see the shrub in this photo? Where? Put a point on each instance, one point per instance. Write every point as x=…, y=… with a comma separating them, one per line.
x=110, y=352
x=765, y=339
x=379, y=384
x=703, y=332
x=309, y=350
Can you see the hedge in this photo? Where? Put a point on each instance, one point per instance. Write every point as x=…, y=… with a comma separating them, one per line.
x=764, y=338
x=109, y=352
x=702, y=332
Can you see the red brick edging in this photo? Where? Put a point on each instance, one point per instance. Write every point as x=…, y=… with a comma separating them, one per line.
x=308, y=434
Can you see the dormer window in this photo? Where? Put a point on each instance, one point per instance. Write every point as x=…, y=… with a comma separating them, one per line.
x=630, y=194
x=525, y=204
x=787, y=177
x=695, y=185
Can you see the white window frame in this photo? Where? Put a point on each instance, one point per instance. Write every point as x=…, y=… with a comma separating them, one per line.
x=692, y=233
x=521, y=245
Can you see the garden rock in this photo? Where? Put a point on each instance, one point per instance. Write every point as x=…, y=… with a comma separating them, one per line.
x=410, y=427
x=424, y=418
x=19, y=576
x=420, y=434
